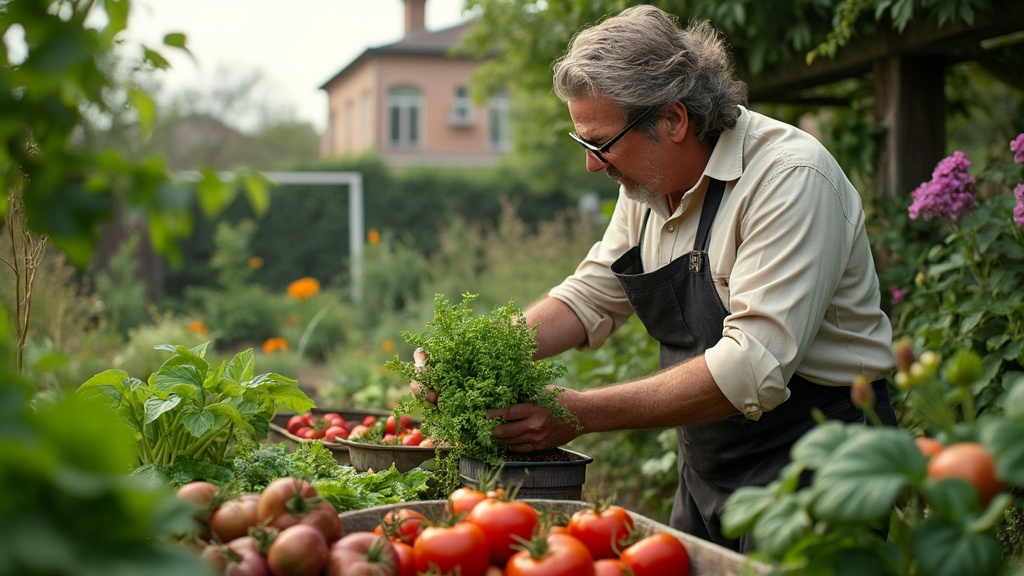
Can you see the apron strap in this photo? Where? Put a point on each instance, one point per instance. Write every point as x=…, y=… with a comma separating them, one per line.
x=643, y=228
x=712, y=198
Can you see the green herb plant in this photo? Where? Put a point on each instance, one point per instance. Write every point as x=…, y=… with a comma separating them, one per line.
x=190, y=409
x=476, y=363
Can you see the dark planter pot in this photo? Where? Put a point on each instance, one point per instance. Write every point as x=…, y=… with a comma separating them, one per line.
x=551, y=475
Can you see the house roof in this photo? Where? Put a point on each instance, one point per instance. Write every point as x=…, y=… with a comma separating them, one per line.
x=417, y=43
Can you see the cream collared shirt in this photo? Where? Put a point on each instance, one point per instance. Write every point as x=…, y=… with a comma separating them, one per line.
x=789, y=256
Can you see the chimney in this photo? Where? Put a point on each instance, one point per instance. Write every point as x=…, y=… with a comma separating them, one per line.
x=415, y=16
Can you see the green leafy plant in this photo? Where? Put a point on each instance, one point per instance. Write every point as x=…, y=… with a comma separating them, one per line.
x=475, y=363
x=875, y=505
x=191, y=409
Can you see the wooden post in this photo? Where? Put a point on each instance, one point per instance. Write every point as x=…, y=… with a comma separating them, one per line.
x=910, y=103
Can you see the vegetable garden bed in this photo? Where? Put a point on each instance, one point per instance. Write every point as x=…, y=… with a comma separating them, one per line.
x=706, y=558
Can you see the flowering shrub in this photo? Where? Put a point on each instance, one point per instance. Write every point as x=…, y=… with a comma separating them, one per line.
x=966, y=289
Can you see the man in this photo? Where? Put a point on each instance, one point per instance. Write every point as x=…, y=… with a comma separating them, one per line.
x=739, y=243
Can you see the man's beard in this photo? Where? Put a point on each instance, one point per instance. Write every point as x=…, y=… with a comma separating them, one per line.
x=634, y=190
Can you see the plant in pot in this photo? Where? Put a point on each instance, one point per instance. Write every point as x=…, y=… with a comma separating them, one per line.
x=477, y=362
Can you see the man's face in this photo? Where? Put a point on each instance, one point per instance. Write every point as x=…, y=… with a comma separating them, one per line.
x=628, y=160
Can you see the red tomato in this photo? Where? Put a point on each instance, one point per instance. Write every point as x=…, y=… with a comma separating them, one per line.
x=403, y=525
x=564, y=556
x=296, y=422
x=233, y=518
x=427, y=443
x=604, y=532
x=332, y=433
x=611, y=567
x=286, y=502
x=406, y=558
x=334, y=418
x=362, y=554
x=358, y=431
x=457, y=549
x=971, y=462
x=504, y=523
x=240, y=557
x=391, y=426
x=463, y=499
x=412, y=438
x=369, y=420
x=306, y=433
x=298, y=550
x=657, y=555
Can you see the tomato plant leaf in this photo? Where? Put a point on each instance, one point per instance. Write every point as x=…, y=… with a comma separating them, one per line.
x=946, y=549
x=1005, y=437
x=951, y=499
x=868, y=472
x=819, y=445
x=168, y=379
x=783, y=524
x=744, y=506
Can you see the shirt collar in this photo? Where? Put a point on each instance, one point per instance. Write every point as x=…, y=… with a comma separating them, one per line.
x=726, y=162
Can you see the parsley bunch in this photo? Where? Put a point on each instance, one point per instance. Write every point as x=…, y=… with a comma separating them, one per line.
x=476, y=363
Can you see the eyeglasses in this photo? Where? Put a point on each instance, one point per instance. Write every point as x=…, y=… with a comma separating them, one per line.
x=596, y=150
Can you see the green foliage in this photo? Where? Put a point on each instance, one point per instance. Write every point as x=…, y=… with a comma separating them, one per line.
x=476, y=363
x=189, y=408
x=47, y=86
x=869, y=480
x=260, y=465
x=69, y=507
x=966, y=289
x=230, y=261
x=122, y=294
x=351, y=490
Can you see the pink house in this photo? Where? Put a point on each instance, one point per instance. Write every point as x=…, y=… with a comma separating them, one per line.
x=408, y=103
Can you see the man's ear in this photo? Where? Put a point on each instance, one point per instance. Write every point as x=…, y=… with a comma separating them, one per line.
x=678, y=121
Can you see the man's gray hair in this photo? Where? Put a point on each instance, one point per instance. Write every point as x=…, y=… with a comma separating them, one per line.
x=642, y=58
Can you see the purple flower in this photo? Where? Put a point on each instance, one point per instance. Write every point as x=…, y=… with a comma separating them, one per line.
x=949, y=194
x=897, y=296
x=1017, y=147
x=1018, y=210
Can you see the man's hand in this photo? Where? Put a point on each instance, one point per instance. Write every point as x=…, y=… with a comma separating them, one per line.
x=419, y=358
x=530, y=428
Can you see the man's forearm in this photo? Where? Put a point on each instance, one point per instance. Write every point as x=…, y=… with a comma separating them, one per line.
x=558, y=328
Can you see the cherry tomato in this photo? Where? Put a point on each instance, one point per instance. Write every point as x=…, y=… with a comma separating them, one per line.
x=369, y=420
x=504, y=522
x=306, y=433
x=412, y=438
x=457, y=549
x=657, y=555
x=463, y=499
x=971, y=462
x=391, y=426
x=334, y=418
x=403, y=525
x=602, y=531
x=563, y=556
x=332, y=433
x=296, y=422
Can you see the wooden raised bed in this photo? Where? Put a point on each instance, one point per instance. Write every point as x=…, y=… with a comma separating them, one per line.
x=706, y=558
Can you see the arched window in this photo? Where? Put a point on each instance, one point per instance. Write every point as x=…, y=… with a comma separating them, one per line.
x=404, y=106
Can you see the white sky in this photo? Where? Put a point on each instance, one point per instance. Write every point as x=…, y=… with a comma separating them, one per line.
x=296, y=45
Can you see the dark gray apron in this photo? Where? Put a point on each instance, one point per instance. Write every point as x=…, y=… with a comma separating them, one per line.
x=680, y=307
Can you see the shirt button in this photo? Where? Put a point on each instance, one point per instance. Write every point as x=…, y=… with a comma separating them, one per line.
x=671, y=228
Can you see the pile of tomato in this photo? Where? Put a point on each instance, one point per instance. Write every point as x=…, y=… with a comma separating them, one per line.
x=288, y=530
x=331, y=426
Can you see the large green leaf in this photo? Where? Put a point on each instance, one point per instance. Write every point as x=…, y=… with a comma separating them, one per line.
x=198, y=422
x=819, y=445
x=1005, y=437
x=783, y=524
x=155, y=407
x=743, y=508
x=945, y=549
x=866, y=475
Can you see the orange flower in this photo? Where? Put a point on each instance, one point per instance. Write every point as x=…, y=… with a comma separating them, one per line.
x=304, y=288
x=197, y=327
x=373, y=237
x=255, y=262
x=271, y=345
x=388, y=345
